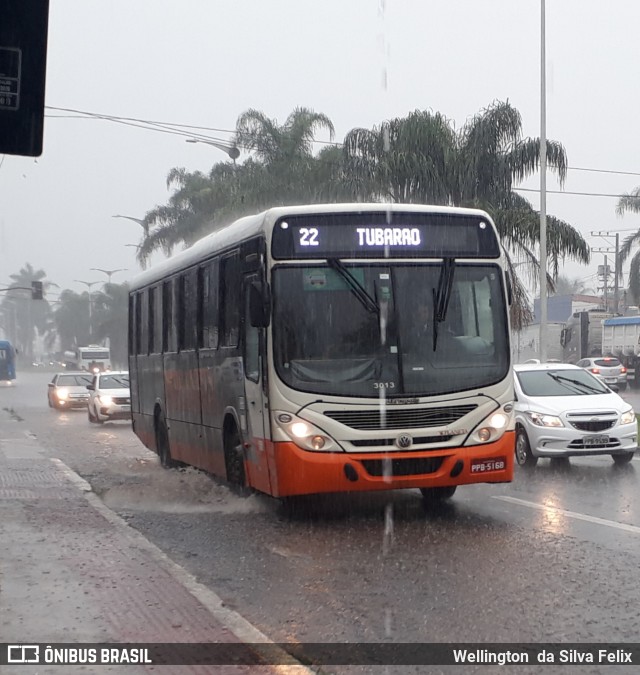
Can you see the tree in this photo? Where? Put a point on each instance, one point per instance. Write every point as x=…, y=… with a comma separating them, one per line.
x=71, y=319
x=111, y=320
x=283, y=170
x=22, y=316
x=564, y=285
x=630, y=203
x=423, y=158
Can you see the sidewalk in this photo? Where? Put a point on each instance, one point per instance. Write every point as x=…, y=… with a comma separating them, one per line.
x=72, y=571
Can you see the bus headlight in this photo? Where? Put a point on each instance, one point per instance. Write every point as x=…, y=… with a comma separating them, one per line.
x=304, y=434
x=491, y=428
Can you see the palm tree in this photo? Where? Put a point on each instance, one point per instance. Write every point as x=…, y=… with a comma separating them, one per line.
x=564, y=285
x=423, y=158
x=630, y=203
x=28, y=316
x=111, y=306
x=71, y=319
x=285, y=151
x=282, y=171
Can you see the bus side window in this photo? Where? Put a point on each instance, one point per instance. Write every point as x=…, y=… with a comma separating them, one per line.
x=251, y=342
x=186, y=310
x=230, y=285
x=168, y=322
x=208, y=305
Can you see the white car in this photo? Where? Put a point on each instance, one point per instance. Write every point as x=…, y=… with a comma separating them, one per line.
x=563, y=411
x=109, y=397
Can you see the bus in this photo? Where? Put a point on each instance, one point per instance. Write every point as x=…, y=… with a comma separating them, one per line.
x=92, y=358
x=330, y=348
x=7, y=362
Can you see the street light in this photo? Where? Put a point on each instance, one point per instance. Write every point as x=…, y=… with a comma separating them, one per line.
x=109, y=272
x=143, y=224
x=543, y=188
x=89, y=284
x=231, y=150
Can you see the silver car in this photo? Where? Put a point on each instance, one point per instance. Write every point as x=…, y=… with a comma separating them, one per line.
x=606, y=368
x=68, y=390
x=562, y=410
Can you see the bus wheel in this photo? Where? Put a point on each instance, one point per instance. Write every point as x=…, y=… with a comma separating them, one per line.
x=524, y=456
x=436, y=495
x=234, y=457
x=162, y=443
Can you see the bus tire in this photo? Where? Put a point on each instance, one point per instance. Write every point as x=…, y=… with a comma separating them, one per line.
x=163, y=446
x=524, y=456
x=437, y=495
x=234, y=457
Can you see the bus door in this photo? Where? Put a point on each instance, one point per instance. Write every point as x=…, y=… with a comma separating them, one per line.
x=256, y=418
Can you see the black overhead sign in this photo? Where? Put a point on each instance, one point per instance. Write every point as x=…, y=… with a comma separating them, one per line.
x=23, y=59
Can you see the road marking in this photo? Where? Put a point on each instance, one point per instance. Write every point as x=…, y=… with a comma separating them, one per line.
x=570, y=514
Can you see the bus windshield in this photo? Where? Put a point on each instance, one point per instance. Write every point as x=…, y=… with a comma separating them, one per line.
x=328, y=341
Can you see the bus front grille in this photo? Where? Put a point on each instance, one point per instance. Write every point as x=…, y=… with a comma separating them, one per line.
x=402, y=467
x=400, y=419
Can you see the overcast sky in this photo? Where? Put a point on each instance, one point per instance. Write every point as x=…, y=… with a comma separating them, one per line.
x=204, y=62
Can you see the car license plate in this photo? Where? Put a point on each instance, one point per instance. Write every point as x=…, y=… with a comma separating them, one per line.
x=483, y=465
x=125, y=408
x=595, y=440
x=610, y=380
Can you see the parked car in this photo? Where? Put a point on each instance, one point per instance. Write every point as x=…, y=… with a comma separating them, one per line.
x=562, y=410
x=68, y=390
x=109, y=397
x=606, y=368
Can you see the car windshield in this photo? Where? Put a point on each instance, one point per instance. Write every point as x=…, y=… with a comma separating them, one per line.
x=363, y=328
x=74, y=380
x=114, y=382
x=562, y=382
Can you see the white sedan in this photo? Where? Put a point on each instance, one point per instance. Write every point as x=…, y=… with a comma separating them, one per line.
x=563, y=411
x=109, y=397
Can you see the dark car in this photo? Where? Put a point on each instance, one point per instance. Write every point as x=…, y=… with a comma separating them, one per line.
x=68, y=390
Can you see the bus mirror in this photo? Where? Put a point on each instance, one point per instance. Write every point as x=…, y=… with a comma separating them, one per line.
x=259, y=304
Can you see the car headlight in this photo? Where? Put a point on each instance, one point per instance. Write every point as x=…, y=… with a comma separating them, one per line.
x=628, y=417
x=105, y=400
x=542, y=420
x=62, y=394
x=304, y=434
x=492, y=427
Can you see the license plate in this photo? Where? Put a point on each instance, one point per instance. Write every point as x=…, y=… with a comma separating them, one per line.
x=610, y=380
x=595, y=440
x=483, y=465
x=125, y=408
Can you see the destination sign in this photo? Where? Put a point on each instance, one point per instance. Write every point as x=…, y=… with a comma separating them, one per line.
x=410, y=235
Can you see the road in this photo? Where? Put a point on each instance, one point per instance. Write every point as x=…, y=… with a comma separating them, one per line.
x=550, y=557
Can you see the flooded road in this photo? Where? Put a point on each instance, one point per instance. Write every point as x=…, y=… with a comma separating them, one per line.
x=549, y=557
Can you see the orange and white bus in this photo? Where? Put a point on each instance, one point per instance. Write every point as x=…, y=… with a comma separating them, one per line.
x=330, y=348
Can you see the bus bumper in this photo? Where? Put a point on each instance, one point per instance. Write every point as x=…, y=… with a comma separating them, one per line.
x=300, y=472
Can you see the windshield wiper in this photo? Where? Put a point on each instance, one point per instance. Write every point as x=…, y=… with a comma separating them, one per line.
x=575, y=383
x=442, y=295
x=354, y=286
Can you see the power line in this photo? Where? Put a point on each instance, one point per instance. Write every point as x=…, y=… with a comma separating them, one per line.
x=176, y=128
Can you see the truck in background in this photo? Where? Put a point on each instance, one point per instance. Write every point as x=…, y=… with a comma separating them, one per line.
x=581, y=337
x=621, y=338
x=92, y=358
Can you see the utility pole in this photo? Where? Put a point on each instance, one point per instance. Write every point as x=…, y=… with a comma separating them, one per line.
x=616, y=265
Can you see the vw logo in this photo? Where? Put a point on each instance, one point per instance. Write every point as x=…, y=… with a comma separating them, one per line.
x=595, y=419
x=404, y=441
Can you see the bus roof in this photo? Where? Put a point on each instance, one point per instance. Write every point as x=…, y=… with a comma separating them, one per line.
x=249, y=226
